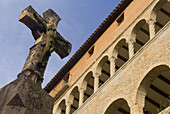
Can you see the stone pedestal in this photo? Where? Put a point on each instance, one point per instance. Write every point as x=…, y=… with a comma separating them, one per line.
x=23, y=96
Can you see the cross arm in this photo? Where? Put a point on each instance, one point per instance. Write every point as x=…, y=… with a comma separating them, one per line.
x=51, y=18
x=47, y=41
x=33, y=21
x=61, y=46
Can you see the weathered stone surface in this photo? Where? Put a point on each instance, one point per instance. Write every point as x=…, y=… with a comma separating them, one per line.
x=23, y=96
x=126, y=82
x=47, y=41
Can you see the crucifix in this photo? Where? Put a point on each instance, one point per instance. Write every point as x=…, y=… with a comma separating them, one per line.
x=25, y=94
x=47, y=40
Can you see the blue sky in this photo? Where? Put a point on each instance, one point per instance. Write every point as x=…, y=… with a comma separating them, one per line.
x=80, y=18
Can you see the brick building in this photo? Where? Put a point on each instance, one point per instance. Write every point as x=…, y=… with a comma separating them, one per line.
x=123, y=67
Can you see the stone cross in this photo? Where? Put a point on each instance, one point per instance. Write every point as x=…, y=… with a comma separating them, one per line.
x=47, y=40
x=25, y=94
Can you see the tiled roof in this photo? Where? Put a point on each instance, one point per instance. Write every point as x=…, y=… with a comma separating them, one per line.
x=89, y=42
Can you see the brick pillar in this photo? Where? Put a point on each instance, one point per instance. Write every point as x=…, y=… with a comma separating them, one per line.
x=58, y=111
x=151, y=24
x=136, y=109
x=131, y=47
x=81, y=91
x=112, y=65
x=96, y=81
x=68, y=107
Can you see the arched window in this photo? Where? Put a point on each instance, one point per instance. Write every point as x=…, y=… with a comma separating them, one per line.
x=104, y=69
x=88, y=84
x=74, y=98
x=161, y=12
x=155, y=90
x=62, y=107
x=157, y=97
x=119, y=106
x=141, y=34
x=121, y=53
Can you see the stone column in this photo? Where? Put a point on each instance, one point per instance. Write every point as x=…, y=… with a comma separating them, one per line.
x=131, y=47
x=151, y=24
x=96, y=81
x=58, y=111
x=81, y=91
x=136, y=109
x=68, y=107
x=112, y=65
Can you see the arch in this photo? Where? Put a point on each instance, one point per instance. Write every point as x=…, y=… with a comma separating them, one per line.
x=88, y=85
x=120, y=106
x=161, y=14
x=74, y=99
x=153, y=91
x=140, y=34
x=101, y=63
x=61, y=109
x=103, y=68
x=137, y=27
x=121, y=53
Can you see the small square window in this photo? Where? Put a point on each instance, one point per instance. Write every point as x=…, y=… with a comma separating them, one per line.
x=66, y=77
x=120, y=19
x=91, y=51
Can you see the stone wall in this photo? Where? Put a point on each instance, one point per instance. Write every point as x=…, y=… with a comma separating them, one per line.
x=126, y=82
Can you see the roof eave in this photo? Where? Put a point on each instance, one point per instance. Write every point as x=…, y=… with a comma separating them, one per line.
x=88, y=43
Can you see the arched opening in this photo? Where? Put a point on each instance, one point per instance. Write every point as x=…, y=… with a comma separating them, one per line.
x=141, y=34
x=119, y=106
x=88, y=84
x=162, y=14
x=104, y=69
x=62, y=107
x=74, y=97
x=156, y=89
x=121, y=52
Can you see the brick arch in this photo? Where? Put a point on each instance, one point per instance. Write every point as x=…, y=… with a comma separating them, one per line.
x=159, y=14
x=87, y=85
x=118, y=105
x=156, y=8
x=101, y=63
x=146, y=82
x=86, y=78
x=120, y=53
x=73, y=98
x=140, y=34
x=103, y=70
x=137, y=27
x=73, y=91
x=61, y=108
x=118, y=46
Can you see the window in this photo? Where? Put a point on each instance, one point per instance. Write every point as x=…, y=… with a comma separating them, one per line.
x=91, y=51
x=66, y=77
x=120, y=19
